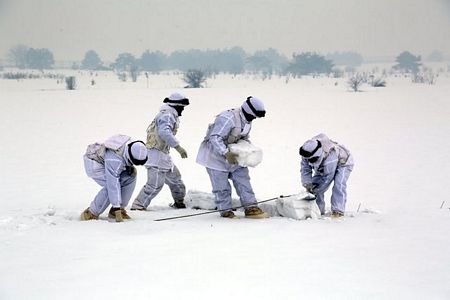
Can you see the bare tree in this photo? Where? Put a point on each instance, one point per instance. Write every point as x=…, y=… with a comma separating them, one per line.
x=194, y=78
x=355, y=82
x=134, y=73
x=377, y=81
x=71, y=83
x=427, y=77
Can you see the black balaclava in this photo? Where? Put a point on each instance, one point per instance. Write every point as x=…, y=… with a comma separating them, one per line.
x=178, y=108
x=177, y=101
x=248, y=116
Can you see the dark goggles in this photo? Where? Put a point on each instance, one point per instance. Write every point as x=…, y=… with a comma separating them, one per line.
x=313, y=159
x=309, y=154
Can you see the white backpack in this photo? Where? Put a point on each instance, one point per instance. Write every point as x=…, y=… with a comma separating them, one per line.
x=96, y=151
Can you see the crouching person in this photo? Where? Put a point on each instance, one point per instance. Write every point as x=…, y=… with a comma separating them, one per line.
x=329, y=161
x=221, y=164
x=111, y=165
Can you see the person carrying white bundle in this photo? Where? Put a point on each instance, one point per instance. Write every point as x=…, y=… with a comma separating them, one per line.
x=329, y=161
x=160, y=168
x=221, y=163
x=111, y=165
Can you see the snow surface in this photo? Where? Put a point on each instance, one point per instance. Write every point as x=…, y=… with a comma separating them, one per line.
x=393, y=244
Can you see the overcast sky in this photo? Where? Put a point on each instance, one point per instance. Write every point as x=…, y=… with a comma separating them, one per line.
x=371, y=27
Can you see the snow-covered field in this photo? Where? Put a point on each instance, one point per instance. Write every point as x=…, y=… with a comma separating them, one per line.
x=395, y=247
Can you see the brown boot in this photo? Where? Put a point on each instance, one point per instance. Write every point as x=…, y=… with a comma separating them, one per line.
x=125, y=215
x=337, y=214
x=116, y=213
x=228, y=214
x=86, y=215
x=255, y=212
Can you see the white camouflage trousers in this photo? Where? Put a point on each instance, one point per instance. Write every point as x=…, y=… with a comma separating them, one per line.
x=101, y=200
x=221, y=187
x=156, y=178
x=339, y=190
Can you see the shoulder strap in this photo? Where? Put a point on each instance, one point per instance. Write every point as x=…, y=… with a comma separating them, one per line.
x=237, y=121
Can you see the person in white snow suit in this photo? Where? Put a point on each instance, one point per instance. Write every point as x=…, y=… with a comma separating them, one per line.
x=160, y=168
x=111, y=165
x=221, y=164
x=324, y=161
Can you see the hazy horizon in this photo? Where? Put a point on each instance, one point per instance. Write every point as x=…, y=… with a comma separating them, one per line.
x=373, y=29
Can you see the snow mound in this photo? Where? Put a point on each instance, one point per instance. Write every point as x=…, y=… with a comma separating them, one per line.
x=25, y=222
x=248, y=154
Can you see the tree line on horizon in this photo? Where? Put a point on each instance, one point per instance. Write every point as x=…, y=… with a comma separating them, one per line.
x=233, y=61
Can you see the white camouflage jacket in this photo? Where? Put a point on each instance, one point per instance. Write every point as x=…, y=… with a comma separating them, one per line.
x=166, y=125
x=333, y=156
x=220, y=133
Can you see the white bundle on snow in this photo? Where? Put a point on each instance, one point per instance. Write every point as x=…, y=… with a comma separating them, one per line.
x=202, y=200
x=296, y=207
x=300, y=206
x=248, y=154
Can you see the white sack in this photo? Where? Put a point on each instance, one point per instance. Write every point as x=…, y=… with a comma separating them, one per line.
x=202, y=200
x=270, y=208
x=296, y=207
x=248, y=154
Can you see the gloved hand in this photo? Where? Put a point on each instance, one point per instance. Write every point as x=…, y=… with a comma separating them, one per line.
x=310, y=187
x=181, y=150
x=231, y=158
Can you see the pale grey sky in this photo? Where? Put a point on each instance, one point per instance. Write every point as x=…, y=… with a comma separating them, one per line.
x=371, y=27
